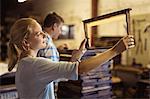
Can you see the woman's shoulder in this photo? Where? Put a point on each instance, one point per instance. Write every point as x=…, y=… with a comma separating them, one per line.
x=30, y=59
x=35, y=61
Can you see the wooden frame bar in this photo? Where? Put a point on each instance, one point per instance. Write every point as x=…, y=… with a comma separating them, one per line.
x=124, y=11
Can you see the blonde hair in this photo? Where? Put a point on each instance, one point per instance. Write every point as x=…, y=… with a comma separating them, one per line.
x=19, y=30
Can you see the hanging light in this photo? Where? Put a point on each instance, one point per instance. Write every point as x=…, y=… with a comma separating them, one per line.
x=21, y=1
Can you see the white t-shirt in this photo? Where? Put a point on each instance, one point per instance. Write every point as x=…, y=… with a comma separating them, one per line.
x=33, y=74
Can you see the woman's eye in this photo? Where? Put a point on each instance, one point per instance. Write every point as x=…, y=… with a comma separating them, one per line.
x=38, y=34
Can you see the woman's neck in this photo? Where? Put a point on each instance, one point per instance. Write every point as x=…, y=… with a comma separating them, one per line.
x=30, y=53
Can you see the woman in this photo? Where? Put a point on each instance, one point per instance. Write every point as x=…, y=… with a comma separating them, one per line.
x=34, y=73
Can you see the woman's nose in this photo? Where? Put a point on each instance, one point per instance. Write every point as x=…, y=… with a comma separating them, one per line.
x=44, y=35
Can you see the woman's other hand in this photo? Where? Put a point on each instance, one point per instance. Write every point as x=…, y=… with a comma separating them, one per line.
x=77, y=54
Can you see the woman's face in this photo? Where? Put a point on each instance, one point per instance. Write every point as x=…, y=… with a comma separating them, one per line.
x=37, y=39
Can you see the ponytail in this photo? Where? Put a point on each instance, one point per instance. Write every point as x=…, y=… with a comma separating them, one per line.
x=13, y=56
x=17, y=34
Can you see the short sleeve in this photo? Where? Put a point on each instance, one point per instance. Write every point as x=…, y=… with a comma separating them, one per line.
x=47, y=70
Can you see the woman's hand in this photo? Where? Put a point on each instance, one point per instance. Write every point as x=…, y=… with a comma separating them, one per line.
x=77, y=54
x=123, y=44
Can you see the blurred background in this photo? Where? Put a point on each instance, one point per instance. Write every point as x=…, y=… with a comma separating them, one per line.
x=130, y=71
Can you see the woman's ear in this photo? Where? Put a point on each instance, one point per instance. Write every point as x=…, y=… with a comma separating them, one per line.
x=25, y=45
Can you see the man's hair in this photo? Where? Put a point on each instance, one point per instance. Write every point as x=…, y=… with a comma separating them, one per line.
x=51, y=19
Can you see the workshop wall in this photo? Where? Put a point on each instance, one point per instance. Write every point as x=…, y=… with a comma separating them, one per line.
x=140, y=12
x=141, y=30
